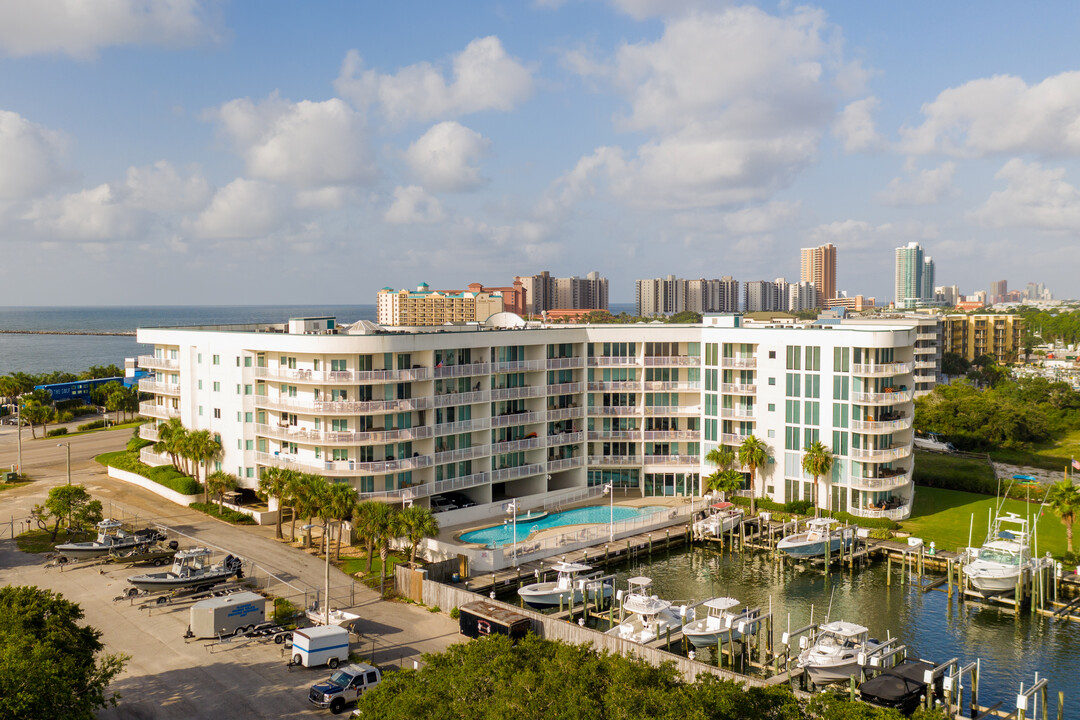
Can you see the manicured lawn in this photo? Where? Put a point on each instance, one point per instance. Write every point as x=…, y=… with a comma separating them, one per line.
x=354, y=565
x=1052, y=456
x=37, y=541
x=939, y=469
x=944, y=517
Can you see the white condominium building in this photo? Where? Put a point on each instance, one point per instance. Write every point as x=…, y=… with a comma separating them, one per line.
x=542, y=413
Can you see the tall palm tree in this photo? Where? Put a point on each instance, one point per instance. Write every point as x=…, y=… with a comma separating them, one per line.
x=753, y=453
x=367, y=520
x=1064, y=500
x=311, y=500
x=818, y=461
x=386, y=532
x=171, y=434
x=220, y=482
x=273, y=484
x=341, y=503
x=294, y=490
x=201, y=449
x=721, y=458
x=414, y=524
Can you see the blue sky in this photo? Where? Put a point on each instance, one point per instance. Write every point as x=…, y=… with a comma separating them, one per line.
x=201, y=151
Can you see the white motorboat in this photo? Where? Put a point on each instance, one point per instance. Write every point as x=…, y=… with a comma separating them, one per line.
x=191, y=568
x=650, y=617
x=812, y=542
x=111, y=537
x=337, y=617
x=724, y=517
x=722, y=624
x=568, y=583
x=995, y=567
x=832, y=653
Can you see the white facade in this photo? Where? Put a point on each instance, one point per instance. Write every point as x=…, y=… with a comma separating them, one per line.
x=539, y=413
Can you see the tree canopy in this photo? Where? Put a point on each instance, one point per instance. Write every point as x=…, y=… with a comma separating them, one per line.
x=51, y=666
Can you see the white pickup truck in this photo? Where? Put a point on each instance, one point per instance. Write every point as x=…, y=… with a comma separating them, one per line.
x=345, y=686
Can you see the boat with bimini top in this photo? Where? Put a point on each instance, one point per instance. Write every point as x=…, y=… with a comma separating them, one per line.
x=721, y=624
x=567, y=585
x=814, y=540
x=1006, y=553
x=111, y=537
x=650, y=617
x=191, y=568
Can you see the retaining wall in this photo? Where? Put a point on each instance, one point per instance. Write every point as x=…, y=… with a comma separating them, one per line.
x=156, y=488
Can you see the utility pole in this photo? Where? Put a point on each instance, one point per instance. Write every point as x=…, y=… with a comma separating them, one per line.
x=18, y=429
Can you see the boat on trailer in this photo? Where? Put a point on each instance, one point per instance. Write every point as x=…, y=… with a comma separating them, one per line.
x=191, y=569
x=110, y=536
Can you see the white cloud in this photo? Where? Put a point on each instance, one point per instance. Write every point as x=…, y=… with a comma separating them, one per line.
x=305, y=144
x=442, y=157
x=29, y=157
x=242, y=209
x=856, y=128
x=1034, y=197
x=92, y=214
x=324, y=198
x=1001, y=114
x=80, y=29
x=160, y=188
x=929, y=187
x=642, y=9
x=413, y=205
x=762, y=218
x=484, y=78
x=859, y=235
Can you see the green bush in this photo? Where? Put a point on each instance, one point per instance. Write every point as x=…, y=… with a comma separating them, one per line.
x=92, y=425
x=799, y=507
x=229, y=516
x=65, y=416
x=56, y=431
x=165, y=475
x=284, y=611
x=435, y=609
x=454, y=613
x=805, y=507
x=136, y=444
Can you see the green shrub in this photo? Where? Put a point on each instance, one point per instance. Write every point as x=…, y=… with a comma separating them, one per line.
x=799, y=507
x=877, y=523
x=229, y=516
x=435, y=609
x=454, y=613
x=62, y=417
x=284, y=611
x=92, y=425
x=165, y=475
x=136, y=444
x=56, y=431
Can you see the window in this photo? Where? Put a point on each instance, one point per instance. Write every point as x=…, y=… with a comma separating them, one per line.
x=810, y=436
x=216, y=359
x=249, y=444
x=813, y=386
x=772, y=381
x=839, y=443
x=248, y=389
x=237, y=388
x=841, y=359
x=237, y=361
x=217, y=386
x=200, y=384
x=772, y=407
x=813, y=358
x=247, y=361
x=249, y=417
x=840, y=387
x=217, y=413
x=793, y=385
x=250, y=472
x=811, y=416
x=791, y=411
x=200, y=411
x=840, y=415
x=199, y=358
x=791, y=438
x=793, y=357
x=772, y=354
x=772, y=433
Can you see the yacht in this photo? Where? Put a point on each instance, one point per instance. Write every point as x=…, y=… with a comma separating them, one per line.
x=723, y=517
x=111, y=537
x=191, y=568
x=566, y=585
x=651, y=617
x=818, y=535
x=722, y=624
x=995, y=567
x=832, y=653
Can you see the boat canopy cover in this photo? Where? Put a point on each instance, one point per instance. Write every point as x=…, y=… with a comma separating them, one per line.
x=192, y=553
x=643, y=581
x=723, y=505
x=843, y=629
x=570, y=567
x=721, y=603
x=894, y=685
x=820, y=523
x=109, y=524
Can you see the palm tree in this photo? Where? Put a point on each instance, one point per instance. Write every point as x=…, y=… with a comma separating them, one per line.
x=367, y=520
x=753, y=453
x=416, y=523
x=273, y=484
x=341, y=504
x=294, y=489
x=721, y=458
x=386, y=531
x=171, y=434
x=202, y=448
x=726, y=481
x=1064, y=500
x=220, y=482
x=818, y=461
x=311, y=500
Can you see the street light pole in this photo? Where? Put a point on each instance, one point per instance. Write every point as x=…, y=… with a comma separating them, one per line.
x=68, y=446
x=326, y=610
x=512, y=509
x=609, y=490
x=18, y=429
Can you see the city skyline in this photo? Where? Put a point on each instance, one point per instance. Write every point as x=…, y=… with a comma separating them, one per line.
x=350, y=147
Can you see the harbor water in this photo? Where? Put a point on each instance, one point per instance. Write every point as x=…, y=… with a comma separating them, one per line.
x=1011, y=647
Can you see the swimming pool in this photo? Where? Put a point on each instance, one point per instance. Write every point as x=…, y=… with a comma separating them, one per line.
x=499, y=535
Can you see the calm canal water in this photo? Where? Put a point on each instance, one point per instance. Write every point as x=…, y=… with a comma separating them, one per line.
x=1012, y=648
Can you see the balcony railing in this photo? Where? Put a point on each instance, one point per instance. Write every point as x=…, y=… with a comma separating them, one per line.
x=342, y=407
x=565, y=463
x=884, y=455
x=159, y=388
x=925, y=350
x=732, y=438
x=882, y=426
x=738, y=362
x=898, y=513
x=673, y=385
x=614, y=385
x=441, y=486
x=342, y=467
x=158, y=411
x=149, y=362
x=880, y=483
x=518, y=419
x=565, y=363
x=516, y=393
x=463, y=398
x=737, y=413
x=616, y=411
x=738, y=388
x=462, y=454
x=303, y=375
x=691, y=435
x=462, y=426
x=466, y=370
x=506, y=366
x=566, y=413
x=608, y=361
x=672, y=361
x=513, y=473
x=881, y=369
x=148, y=431
x=614, y=434
x=925, y=365
x=883, y=398
x=673, y=410
x=568, y=438
x=615, y=460
x=566, y=388
x=518, y=445
x=296, y=433
x=672, y=460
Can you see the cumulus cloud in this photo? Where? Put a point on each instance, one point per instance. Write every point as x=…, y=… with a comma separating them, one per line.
x=1034, y=197
x=1001, y=114
x=859, y=235
x=642, y=9
x=412, y=205
x=80, y=29
x=160, y=188
x=92, y=214
x=305, y=144
x=443, y=157
x=484, y=77
x=928, y=187
x=242, y=209
x=762, y=218
x=856, y=128
x=29, y=157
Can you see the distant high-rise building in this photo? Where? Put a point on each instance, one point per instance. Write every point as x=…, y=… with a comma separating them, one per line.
x=670, y=295
x=766, y=296
x=1037, y=291
x=909, y=276
x=999, y=292
x=660, y=296
x=819, y=267
x=544, y=292
x=803, y=296
x=949, y=295
x=926, y=288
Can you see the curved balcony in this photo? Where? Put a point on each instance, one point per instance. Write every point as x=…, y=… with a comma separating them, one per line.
x=896, y=452
x=672, y=460
x=738, y=388
x=615, y=435
x=612, y=361
x=566, y=413
x=673, y=385
x=883, y=398
x=462, y=426
x=672, y=361
x=353, y=377
x=341, y=407
x=513, y=473
x=462, y=454
x=463, y=398
x=614, y=386
x=732, y=438
x=881, y=369
x=688, y=435
x=620, y=460
x=149, y=362
x=295, y=433
x=673, y=410
x=738, y=362
x=898, y=513
x=342, y=467
x=883, y=426
x=879, y=483
x=466, y=370
x=565, y=463
x=148, y=431
x=565, y=363
x=513, y=419
x=616, y=410
x=162, y=412
x=159, y=388
x=566, y=388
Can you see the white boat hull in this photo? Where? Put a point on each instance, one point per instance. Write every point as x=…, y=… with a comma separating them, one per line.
x=555, y=598
x=826, y=674
x=710, y=638
x=990, y=580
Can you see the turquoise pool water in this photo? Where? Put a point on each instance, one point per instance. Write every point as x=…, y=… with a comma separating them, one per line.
x=499, y=535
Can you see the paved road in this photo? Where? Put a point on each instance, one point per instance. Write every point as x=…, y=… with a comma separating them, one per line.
x=166, y=677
